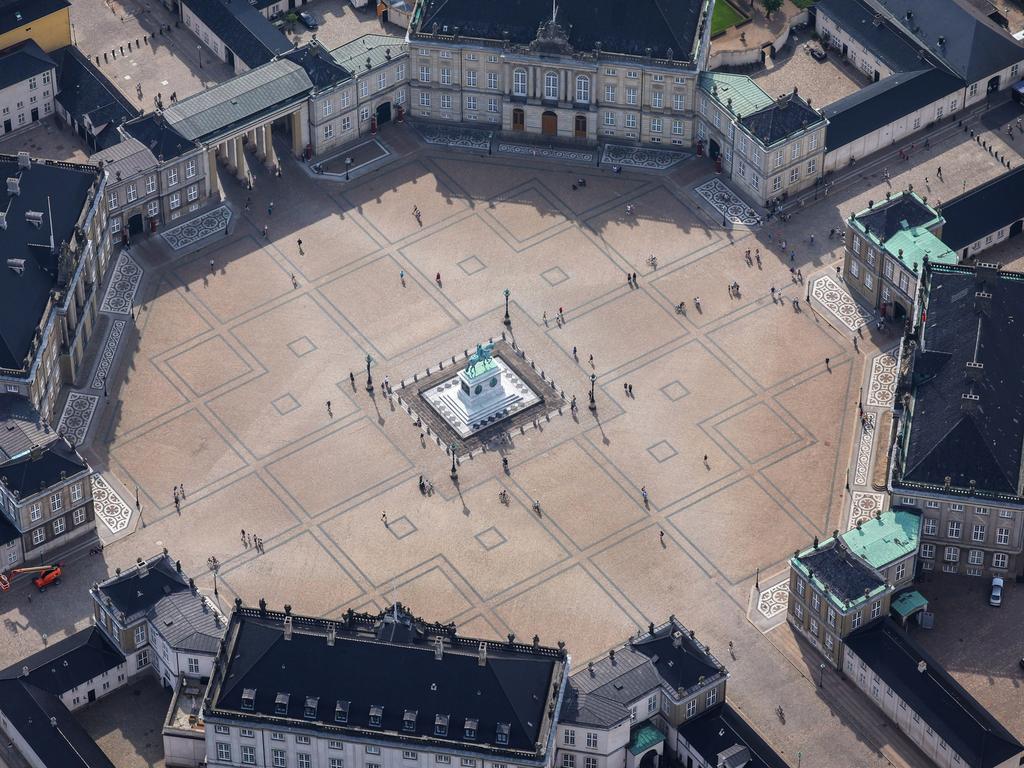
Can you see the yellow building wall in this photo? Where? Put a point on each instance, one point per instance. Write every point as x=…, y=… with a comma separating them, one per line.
x=50, y=32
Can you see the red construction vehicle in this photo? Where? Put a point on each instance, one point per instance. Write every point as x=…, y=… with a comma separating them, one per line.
x=48, y=574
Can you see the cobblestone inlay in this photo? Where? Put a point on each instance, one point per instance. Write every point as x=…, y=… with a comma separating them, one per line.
x=773, y=601
x=837, y=300
x=467, y=138
x=867, y=437
x=640, y=157
x=110, y=508
x=193, y=230
x=77, y=415
x=727, y=203
x=548, y=153
x=402, y=527
x=490, y=538
x=124, y=282
x=107, y=353
x=864, y=506
x=882, y=385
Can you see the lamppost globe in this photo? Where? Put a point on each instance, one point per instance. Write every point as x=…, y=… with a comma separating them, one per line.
x=508, y=320
x=369, y=377
x=593, y=402
x=455, y=471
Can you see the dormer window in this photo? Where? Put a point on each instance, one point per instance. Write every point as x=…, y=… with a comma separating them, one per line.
x=471, y=726
x=409, y=720
x=441, y=725
x=501, y=735
x=281, y=704
x=249, y=699
x=376, y=713
x=341, y=711
x=309, y=710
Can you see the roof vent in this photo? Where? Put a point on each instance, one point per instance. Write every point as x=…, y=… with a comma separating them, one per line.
x=942, y=40
x=922, y=666
x=24, y=671
x=13, y=185
x=35, y=218
x=677, y=639
x=24, y=160
x=481, y=658
x=287, y=627
x=438, y=648
x=53, y=722
x=17, y=266
x=143, y=570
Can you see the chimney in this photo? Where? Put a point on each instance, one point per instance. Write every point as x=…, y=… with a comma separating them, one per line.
x=922, y=666
x=982, y=303
x=974, y=371
x=3, y=219
x=677, y=639
x=438, y=648
x=481, y=658
x=331, y=635
x=969, y=402
x=24, y=160
x=611, y=655
x=287, y=627
x=13, y=185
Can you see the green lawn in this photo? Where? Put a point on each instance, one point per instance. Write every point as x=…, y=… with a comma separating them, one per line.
x=725, y=16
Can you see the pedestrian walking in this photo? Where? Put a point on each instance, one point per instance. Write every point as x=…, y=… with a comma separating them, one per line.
x=574, y=355
x=643, y=492
x=384, y=518
x=211, y=266
x=270, y=208
x=243, y=535
x=630, y=390
x=625, y=387
x=352, y=378
x=437, y=279
x=248, y=202
x=758, y=259
x=661, y=537
x=264, y=230
x=544, y=317
x=828, y=363
x=300, y=247
x=634, y=278
x=706, y=465
x=248, y=540
x=401, y=276
x=329, y=411
x=572, y=405
x=591, y=361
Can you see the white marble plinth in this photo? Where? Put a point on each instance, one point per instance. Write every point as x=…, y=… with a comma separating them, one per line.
x=515, y=395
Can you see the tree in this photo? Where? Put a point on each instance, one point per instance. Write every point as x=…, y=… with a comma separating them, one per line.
x=770, y=6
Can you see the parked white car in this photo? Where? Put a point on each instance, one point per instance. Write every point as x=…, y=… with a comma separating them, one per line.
x=996, y=596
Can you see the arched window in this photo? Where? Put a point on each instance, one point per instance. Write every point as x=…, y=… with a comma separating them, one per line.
x=582, y=90
x=551, y=85
x=519, y=82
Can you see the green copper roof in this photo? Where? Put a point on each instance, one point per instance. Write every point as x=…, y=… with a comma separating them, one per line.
x=747, y=97
x=905, y=604
x=916, y=243
x=880, y=541
x=643, y=738
x=378, y=49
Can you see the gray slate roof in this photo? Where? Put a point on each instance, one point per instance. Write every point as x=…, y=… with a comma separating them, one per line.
x=127, y=158
x=243, y=29
x=973, y=46
x=238, y=100
x=887, y=42
x=22, y=61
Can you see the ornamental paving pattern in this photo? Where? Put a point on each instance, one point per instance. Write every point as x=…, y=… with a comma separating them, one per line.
x=124, y=282
x=224, y=389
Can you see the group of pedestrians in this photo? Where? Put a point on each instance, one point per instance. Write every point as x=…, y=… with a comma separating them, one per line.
x=249, y=540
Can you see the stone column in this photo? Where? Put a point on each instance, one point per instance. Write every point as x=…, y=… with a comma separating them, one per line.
x=298, y=132
x=261, y=151
x=214, y=183
x=242, y=167
x=229, y=154
x=270, y=160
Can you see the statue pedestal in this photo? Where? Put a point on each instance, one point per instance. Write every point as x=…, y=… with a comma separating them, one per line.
x=483, y=394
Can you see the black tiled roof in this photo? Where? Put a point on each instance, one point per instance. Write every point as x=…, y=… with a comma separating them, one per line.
x=46, y=725
x=983, y=210
x=722, y=728
x=880, y=103
x=621, y=26
x=72, y=661
x=885, y=219
x=18, y=13
x=969, y=729
x=973, y=46
x=27, y=474
x=60, y=191
x=945, y=438
x=856, y=18
x=22, y=61
x=321, y=68
x=136, y=590
x=162, y=140
x=84, y=90
x=846, y=576
x=243, y=29
x=367, y=669
x=780, y=119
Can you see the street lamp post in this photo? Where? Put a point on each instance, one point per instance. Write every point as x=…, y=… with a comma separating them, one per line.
x=455, y=471
x=369, y=378
x=821, y=674
x=348, y=164
x=593, y=402
x=214, y=565
x=508, y=320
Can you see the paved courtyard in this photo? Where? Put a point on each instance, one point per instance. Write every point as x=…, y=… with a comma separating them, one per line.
x=736, y=428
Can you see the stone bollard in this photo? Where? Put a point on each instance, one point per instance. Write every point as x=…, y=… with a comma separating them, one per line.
x=532, y=365
x=440, y=365
x=428, y=429
x=453, y=359
x=503, y=336
x=415, y=377
x=465, y=353
x=428, y=370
